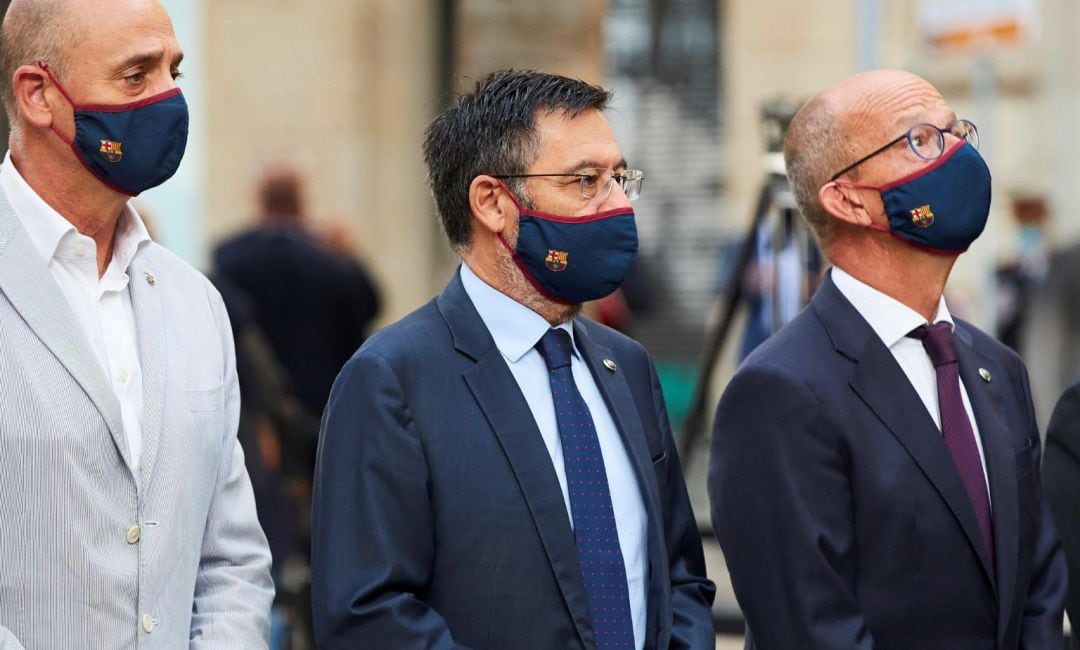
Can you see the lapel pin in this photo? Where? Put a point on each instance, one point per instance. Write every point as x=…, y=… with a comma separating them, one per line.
x=150, y=278
x=610, y=365
x=985, y=374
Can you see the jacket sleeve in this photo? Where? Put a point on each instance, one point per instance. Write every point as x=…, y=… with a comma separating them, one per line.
x=692, y=593
x=1042, y=622
x=372, y=522
x=781, y=508
x=233, y=588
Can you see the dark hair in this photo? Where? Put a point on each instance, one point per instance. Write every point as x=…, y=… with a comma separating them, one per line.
x=492, y=130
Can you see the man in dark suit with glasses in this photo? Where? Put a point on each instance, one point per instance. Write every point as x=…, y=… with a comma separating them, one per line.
x=874, y=472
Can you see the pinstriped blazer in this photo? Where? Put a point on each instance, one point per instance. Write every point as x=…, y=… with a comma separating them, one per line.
x=92, y=556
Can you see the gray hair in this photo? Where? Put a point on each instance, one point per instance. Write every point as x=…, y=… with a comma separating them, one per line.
x=33, y=31
x=814, y=149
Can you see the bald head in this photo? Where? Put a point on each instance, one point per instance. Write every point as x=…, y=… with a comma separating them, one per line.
x=844, y=123
x=280, y=191
x=60, y=33
x=33, y=30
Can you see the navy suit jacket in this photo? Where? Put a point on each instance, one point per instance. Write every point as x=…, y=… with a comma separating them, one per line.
x=841, y=514
x=438, y=518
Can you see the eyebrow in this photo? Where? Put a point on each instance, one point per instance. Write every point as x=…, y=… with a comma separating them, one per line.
x=593, y=164
x=143, y=58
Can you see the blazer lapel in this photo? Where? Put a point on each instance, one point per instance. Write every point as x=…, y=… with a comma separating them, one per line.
x=32, y=291
x=1000, y=462
x=623, y=411
x=150, y=327
x=496, y=392
x=883, y=386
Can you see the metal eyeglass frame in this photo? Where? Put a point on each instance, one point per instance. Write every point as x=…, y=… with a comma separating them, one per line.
x=626, y=180
x=971, y=136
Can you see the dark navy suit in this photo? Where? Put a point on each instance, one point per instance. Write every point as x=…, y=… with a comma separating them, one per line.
x=438, y=517
x=841, y=514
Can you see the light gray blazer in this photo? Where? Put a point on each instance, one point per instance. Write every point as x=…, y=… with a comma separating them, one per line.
x=75, y=572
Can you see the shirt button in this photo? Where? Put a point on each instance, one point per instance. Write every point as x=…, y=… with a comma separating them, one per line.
x=80, y=250
x=133, y=534
x=147, y=623
x=123, y=376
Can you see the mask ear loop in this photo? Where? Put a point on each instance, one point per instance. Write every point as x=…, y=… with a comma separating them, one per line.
x=864, y=186
x=56, y=82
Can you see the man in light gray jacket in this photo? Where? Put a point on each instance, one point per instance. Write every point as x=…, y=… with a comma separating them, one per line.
x=126, y=514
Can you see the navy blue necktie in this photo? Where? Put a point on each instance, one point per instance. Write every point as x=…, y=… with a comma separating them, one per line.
x=590, y=501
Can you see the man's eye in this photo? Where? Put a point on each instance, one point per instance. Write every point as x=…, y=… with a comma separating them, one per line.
x=918, y=140
x=590, y=180
x=135, y=79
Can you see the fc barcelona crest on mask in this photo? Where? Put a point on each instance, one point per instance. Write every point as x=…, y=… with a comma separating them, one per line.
x=110, y=149
x=556, y=260
x=922, y=216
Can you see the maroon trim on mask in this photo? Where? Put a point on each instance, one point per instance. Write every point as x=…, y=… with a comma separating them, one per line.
x=905, y=179
x=928, y=249
x=108, y=108
x=529, y=212
x=120, y=108
x=925, y=170
x=528, y=276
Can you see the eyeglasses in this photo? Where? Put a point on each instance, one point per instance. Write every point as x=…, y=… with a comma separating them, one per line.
x=597, y=183
x=926, y=140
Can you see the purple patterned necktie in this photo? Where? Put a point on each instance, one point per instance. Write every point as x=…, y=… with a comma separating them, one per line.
x=955, y=425
x=590, y=501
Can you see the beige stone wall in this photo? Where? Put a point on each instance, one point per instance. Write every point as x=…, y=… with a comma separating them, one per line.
x=559, y=36
x=345, y=89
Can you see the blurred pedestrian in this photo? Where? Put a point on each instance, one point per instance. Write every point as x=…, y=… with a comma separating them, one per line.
x=496, y=471
x=874, y=472
x=304, y=305
x=127, y=514
x=313, y=303
x=1017, y=280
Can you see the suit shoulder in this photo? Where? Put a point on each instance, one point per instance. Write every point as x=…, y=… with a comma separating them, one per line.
x=418, y=334
x=795, y=349
x=989, y=346
x=610, y=338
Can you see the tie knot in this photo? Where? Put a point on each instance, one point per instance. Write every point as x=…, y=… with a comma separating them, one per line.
x=937, y=339
x=554, y=346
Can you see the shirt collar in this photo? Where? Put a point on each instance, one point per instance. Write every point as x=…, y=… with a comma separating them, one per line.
x=515, y=328
x=890, y=319
x=47, y=227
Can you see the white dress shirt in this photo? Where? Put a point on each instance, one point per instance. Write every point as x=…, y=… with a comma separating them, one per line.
x=892, y=320
x=102, y=306
x=516, y=329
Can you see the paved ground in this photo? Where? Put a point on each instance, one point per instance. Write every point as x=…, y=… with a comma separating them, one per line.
x=729, y=643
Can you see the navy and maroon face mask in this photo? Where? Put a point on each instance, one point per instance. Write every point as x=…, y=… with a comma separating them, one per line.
x=129, y=147
x=572, y=260
x=943, y=207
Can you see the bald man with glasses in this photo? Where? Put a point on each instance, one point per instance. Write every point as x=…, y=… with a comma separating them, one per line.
x=874, y=471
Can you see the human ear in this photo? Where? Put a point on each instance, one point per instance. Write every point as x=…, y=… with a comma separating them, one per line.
x=29, y=85
x=491, y=206
x=845, y=203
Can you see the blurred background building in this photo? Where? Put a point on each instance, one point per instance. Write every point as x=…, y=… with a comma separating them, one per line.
x=343, y=89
